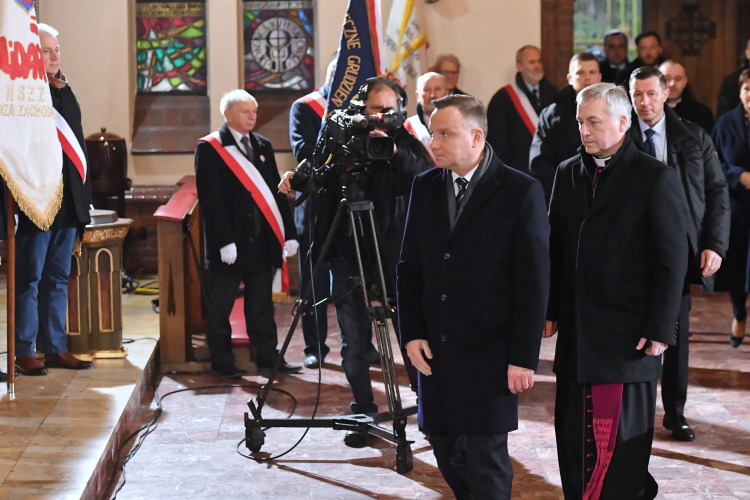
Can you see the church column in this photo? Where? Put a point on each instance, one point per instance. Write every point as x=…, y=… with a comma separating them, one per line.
x=224, y=52
x=557, y=39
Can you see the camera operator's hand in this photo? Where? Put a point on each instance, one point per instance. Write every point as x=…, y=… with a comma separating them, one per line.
x=379, y=133
x=285, y=186
x=414, y=351
x=519, y=379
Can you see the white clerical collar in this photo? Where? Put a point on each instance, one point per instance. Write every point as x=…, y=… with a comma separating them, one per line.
x=237, y=137
x=470, y=174
x=658, y=128
x=601, y=162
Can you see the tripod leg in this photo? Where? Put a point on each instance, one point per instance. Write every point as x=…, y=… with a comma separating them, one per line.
x=304, y=307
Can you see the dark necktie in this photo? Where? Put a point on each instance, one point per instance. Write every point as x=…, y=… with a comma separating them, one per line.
x=461, y=194
x=650, y=148
x=536, y=104
x=248, y=149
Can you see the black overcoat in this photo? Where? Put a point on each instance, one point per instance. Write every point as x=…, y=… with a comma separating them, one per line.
x=229, y=212
x=507, y=133
x=694, y=111
x=731, y=139
x=729, y=96
x=556, y=139
x=618, y=258
x=691, y=152
x=477, y=294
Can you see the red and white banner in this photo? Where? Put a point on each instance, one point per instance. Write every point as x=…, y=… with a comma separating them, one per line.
x=70, y=145
x=253, y=181
x=30, y=152
x=317, y=102
x=523, y=107
x=415, y=126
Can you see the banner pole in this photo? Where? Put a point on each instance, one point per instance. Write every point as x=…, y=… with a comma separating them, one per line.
x=10, y=225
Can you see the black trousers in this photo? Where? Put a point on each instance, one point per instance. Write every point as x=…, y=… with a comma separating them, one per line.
x=261, y=327
x=627, y=477
x=674, y=378
x=475, y=467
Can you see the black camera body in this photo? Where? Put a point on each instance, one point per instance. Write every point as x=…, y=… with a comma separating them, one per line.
x=349, y=130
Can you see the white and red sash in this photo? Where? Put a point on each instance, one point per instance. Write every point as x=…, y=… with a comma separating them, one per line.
x=253, y=181
x=70, y=145
x=415, y=126
x=317, y=102
x=523, y=107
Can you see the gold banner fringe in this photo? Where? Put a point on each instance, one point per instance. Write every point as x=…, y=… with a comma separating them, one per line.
x=42, y=220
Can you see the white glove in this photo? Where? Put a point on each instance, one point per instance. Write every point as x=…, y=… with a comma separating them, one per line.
x=229, y=254
x=290, y=248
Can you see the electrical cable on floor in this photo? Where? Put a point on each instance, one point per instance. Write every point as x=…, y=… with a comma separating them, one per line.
x=154, y=423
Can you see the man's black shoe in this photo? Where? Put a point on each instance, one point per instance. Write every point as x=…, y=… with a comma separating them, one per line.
x=681, y=431
x=355, y=439
x=284, y=368
x=311, y=362
x=373, y=356
x=230, y=372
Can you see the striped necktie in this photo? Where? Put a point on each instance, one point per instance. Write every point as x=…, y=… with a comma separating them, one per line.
x=461, y=194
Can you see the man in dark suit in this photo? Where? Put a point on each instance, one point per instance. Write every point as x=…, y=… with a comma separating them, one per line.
x=648, y=45
x=556, y=137
x=242, y=242
x=687, y=148
x=729, y=97
x=513, y=112
x=618, y=256
x=472, y=291
x=681, y=100
x=616, y=50
x=43, y=259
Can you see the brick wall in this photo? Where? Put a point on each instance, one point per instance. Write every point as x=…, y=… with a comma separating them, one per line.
x=557, y=39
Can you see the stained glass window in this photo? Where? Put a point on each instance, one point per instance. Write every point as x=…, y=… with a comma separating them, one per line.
x=279, y=52
x=171, y=47
x=593, y=18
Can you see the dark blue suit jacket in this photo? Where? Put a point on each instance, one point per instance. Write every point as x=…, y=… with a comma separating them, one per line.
x=477, y=294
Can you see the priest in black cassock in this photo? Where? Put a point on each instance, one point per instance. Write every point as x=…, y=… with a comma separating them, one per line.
x=618, y=257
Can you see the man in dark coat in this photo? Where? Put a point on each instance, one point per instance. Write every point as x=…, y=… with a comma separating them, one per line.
x=687, y=148
x=618, y=261
x=557, y=137
x=388, y=188
x=729, y=96
x=242, y=244
x=648, y=45
x=616, y=50
x=732, y=139
x=43, y=258
x=681, y=99
x=513, y=112
x=472, y=289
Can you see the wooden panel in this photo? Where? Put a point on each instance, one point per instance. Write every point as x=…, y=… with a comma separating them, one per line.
x=717, y=58
x=171, y=293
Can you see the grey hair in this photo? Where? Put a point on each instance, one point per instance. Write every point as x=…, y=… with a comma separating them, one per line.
x=47, y=29
x=234, y=96
x=616, y=98
x=423, y=79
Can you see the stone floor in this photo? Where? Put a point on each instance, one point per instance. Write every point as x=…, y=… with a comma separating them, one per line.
x=192, y=454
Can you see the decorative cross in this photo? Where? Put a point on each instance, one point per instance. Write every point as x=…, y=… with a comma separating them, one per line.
x=691, y=30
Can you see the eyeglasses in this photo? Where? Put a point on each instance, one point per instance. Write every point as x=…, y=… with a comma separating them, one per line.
x=448, y=73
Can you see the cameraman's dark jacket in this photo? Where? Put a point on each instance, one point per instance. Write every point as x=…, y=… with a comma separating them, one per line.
x=388, y=189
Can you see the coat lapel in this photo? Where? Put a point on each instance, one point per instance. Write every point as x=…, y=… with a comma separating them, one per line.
x=441, y=209
x=484, y=188
x=622, y=169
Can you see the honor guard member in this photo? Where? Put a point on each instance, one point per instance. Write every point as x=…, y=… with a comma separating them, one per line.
x=249, y=232
x=430, y=86
x=43, y=258
x=618, y=256
x=472, y=293
x=388, y=189
x=659, y=132
x=513, y=112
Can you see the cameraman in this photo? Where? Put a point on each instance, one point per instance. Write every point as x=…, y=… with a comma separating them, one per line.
x=388, y=189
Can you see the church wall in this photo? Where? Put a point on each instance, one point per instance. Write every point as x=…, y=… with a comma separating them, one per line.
x=97, y=44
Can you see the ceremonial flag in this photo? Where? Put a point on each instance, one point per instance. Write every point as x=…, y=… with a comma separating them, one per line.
x=30, y=153
x=359, y=52
x=405, y=42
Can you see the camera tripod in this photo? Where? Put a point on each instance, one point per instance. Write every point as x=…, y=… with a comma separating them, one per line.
x=360, y=214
